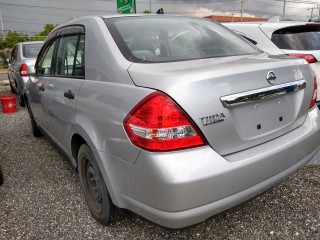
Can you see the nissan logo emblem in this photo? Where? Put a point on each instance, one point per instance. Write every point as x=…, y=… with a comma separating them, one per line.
x=271, y=77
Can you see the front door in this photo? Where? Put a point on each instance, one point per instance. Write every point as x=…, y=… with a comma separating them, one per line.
x=38, y=89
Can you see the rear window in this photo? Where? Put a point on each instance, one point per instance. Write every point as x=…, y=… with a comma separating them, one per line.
x=31, y=50
x=305, y=37
x=166, y=39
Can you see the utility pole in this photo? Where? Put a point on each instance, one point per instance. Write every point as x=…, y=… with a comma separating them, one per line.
x=2, y=33
x=242, y=2
x=232, y=14
x=284, y=10
x=311, y=16
x=150, y=6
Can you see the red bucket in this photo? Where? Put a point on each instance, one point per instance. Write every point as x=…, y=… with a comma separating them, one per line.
x=8, y=103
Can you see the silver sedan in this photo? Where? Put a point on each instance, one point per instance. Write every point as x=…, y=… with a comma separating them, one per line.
x=24, y=54
x=174, y=118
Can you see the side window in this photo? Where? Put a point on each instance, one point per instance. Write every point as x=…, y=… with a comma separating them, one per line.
x=70, y=56
x=44, y=65
x=79, y=64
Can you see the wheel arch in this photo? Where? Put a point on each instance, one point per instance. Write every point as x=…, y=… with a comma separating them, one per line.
x=81, y=137
x=76, y=141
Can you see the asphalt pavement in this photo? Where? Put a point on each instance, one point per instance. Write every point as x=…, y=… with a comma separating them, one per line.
x=41, y=199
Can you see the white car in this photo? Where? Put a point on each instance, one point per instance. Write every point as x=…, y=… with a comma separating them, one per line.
x=296, y=39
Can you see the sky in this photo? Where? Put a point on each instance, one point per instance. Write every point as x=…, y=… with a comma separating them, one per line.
x=29, y=16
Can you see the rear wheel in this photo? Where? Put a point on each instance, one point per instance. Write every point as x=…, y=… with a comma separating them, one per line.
x=94, y=188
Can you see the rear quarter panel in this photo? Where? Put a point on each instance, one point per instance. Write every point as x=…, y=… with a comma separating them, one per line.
x=107, y=94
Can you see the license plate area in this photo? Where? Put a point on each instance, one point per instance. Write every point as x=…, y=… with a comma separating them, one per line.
x=260, y=119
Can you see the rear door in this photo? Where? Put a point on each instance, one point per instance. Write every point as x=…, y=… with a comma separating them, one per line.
x=63, y=87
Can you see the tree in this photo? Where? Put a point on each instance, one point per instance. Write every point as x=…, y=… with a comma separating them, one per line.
x=146, y=11
x=46, y=30
x=14, y=37
x=8, y=43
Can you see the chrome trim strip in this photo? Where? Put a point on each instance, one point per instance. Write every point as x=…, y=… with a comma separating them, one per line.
x=262, y=94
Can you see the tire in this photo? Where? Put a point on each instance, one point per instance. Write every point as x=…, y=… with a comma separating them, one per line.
x=20, y=99
x=93, y=186
x=35, y=130
x=1, y=176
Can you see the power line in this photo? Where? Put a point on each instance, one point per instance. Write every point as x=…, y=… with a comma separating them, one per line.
x=46, y=7
x=26, y=22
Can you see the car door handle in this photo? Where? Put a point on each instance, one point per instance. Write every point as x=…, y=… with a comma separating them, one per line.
x=69, y=94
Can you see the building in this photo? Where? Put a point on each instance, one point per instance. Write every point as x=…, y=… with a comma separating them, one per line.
x=236, y=19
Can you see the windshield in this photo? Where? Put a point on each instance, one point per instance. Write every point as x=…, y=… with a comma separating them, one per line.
x=305, y=37
x=166, y=39
x=31, y=50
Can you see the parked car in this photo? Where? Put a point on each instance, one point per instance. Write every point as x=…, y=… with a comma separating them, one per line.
x=296, y=39
x=174, y=118
x=24, y=54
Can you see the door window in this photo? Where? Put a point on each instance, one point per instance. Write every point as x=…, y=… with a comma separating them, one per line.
x=44, y=66
x=70, y=56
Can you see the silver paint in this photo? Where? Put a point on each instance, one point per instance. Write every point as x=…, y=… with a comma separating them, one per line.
x=180, y=188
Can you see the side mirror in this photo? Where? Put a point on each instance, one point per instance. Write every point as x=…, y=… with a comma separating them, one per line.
x=31, y=73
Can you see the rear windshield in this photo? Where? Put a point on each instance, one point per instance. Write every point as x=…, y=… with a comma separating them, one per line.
x=31, y=50
x=167, y=39
x=305, y=37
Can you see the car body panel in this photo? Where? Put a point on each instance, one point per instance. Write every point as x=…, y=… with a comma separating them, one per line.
x=183, y=179
x=61, y=110
x=97, y=114
x=194, y=91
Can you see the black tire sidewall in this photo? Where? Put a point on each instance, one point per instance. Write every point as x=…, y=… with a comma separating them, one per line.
x=35, y=130
x=1, y=176
x=105, y=217
x=20, y=98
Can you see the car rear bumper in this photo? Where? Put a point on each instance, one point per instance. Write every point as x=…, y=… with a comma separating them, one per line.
x=182, y=188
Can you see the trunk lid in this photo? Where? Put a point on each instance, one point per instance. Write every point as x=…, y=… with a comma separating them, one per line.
x=204, y=88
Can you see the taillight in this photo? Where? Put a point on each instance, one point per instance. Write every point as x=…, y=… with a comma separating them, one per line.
x=157, y=123
x=315, y=92
x=23, y=70
x=309, y=57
